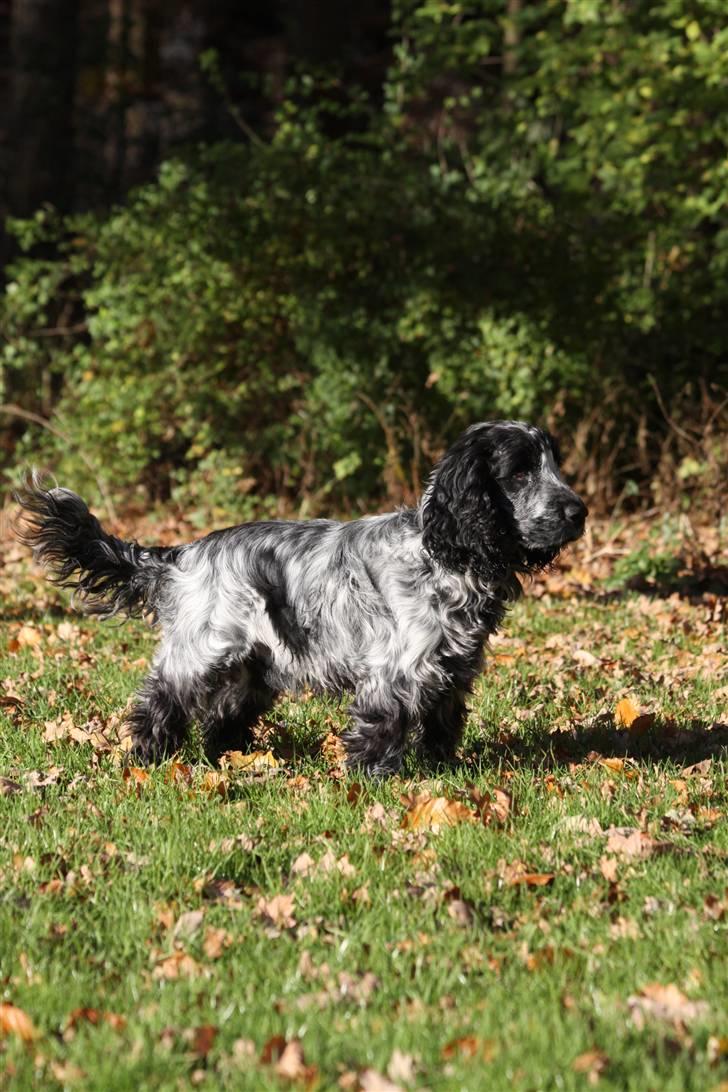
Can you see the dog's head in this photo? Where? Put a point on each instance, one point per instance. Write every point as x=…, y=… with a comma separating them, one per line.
x=497, y=501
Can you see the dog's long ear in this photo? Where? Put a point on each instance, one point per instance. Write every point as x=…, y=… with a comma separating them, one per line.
x=462, y=526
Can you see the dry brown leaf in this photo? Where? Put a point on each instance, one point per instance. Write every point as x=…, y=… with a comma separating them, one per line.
x=178, y=965
x=585, y=658
x=470, y=1046
x=461, y=912
x=303, y=865
x=530, y=879
x=215, y=942
x=55, y=730
x=372, y=1081
x=13, y=1021
x=633, y=844
x=272, y=1049
x=177, y=773
x=67, y=1072
x=333, y=751
x=580, y=824
x=202, y=1039
x=277, y=911
x=93, y=1017
x=27, y=637
x=592, y=1063
x=425, y=812
x=291, y=1065
x=495, y=809
x=699, y=769
x=608, y=868
x=401, y=1067
x=187, y=924
x=134, y=777
x=666, y=1004
x=619, y=766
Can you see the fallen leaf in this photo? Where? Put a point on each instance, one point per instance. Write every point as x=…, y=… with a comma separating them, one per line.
x=585, y=658
x=202, y=1039
x=215, y=942
x=580, y=824
x=95, y=1017
x=291, y=1065
x=277, y=911
x=401, y=1067
x=13, y=1021
x=531, y=879
x=177, y=773
x=187, y=924
x=333, y=751
x=272, y=1049
x=178, y=965
x=698, y=769
x=592, y=1063
x=253, y=760
x=608, y=868
x=469, y=1046
x=67, y=1072
x=631, y=843
x=629, y=715
x=425, y=812
x=303, y=865
x=461, y=912
x=491, y=809
x=372, y=1081
x=214, y=783
x=134, y=777
x=28, y=637
x=666, y=1004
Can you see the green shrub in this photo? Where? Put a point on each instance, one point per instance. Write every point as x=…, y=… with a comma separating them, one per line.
x=323, y=312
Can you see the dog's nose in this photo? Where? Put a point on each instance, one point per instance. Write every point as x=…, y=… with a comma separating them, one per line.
x=574, y=510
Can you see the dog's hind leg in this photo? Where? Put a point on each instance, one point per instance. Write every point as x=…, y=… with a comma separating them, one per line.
x=158, y=720
x=235, y=702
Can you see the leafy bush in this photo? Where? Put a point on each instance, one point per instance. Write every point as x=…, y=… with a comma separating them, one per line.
x=528, y=226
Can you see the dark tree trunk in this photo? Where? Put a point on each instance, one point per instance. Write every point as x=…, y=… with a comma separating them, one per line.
x=40, y=129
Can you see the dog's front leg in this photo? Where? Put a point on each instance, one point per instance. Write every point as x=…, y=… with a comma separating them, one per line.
x=378, y=734
x=442, y=726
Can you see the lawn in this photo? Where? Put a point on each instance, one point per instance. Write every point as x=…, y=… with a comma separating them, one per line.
x=549, y=914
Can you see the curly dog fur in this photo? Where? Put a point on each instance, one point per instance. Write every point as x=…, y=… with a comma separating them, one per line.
x=395, y=608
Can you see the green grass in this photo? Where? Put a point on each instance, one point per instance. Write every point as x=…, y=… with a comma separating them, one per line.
x=410, y=940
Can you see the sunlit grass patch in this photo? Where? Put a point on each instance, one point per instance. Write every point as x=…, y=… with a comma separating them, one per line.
x=551, y=912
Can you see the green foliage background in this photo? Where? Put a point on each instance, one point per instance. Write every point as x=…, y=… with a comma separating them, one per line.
x=530, y=223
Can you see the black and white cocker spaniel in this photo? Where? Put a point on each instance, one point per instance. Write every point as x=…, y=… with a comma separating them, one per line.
x=395, y=608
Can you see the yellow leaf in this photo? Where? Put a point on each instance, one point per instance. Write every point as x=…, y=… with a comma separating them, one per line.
x=626, y=712
x=13, y=1021
x=215, y=783
x=426, y=812
x=255, y=760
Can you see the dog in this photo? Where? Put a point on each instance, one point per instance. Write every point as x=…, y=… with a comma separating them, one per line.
x=395, y=608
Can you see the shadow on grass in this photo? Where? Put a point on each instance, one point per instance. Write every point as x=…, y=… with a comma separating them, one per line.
x=694, y=585
x=665, y=741
x=23, y=613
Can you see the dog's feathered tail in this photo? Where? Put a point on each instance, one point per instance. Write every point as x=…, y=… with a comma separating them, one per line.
x=109, y=576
